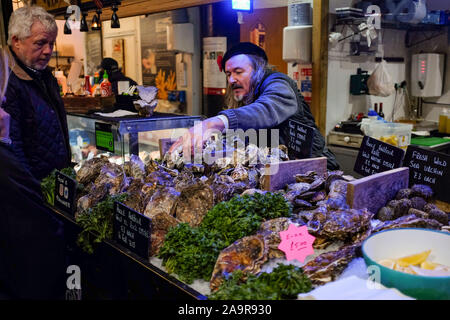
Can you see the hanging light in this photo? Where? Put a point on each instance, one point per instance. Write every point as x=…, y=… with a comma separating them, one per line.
x=83, y=24
x=67, y=29
x=96, y=21
x=115, y=23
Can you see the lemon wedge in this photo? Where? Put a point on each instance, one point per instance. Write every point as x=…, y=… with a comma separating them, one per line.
x=413, y=259
x=388, y=263
x=428, y=265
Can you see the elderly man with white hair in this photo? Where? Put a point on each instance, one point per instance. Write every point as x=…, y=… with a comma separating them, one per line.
x=38, y=128
x=32, y=241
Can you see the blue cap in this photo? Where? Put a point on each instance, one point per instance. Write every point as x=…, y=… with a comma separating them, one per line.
x=372, y=113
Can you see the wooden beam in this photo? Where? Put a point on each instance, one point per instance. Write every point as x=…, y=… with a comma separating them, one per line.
x=320, y=63
x=132, y=8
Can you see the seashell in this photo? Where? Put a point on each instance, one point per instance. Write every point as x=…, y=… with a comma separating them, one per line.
x=307, y=177
x=247, y=254
x=317, y=184
x=318, y=196
x=302, y=203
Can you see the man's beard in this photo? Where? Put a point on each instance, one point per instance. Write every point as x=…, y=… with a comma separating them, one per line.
x=37, y=65
x=238, y=97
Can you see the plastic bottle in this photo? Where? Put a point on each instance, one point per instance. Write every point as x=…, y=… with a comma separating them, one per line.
x=105, y=86
x=87, y=85
x=372, y=115
x=62, y=80
x=96, y=83
x=376, y=107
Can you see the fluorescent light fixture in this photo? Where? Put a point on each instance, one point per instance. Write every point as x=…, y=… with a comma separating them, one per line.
x=242, y=5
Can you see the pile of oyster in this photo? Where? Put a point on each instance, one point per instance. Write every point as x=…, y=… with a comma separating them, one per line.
x=174, y=191
x=319, y=202
x=170, y=194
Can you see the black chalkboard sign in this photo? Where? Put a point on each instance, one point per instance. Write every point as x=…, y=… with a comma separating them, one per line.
x=430, y=168
x=376, y=156
x=65, y=193
x=300, y=141
x=132, y=230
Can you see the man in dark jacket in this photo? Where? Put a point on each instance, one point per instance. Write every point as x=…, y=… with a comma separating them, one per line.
x=33, y=141
x=39, y=131
x=258, y=98
x=114, y=74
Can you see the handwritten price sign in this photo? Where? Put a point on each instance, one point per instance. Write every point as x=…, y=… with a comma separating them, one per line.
x=296, y=243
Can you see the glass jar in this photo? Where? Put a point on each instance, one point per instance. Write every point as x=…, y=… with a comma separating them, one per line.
x=444, y=121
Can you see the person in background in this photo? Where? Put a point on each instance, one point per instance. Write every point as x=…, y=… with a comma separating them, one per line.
x=38, y=129
x=257, y=98
x=114, y=74
x=32, y=244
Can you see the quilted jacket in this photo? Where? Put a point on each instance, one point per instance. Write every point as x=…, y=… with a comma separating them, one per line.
x=38, y=120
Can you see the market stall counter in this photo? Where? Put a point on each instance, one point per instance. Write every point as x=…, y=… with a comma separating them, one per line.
x=113, y=272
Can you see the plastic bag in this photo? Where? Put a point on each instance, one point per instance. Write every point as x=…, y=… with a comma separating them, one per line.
x=380, y=82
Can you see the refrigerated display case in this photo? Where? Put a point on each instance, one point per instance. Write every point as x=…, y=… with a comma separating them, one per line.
x=119, y=138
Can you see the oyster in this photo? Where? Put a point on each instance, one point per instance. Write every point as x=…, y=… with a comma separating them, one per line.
x=333, y=176
x=348, y=225
x=111, y=180
x=247, y=254
x=193, y=204
x=328, y=266
x=160, y=178
x=135, y=167
x=271, y=231
x=408, y=221
x=307, y=177
x=134, y=191
x=90, y=170
x=223, y=187
x=184, y=179
x=239, y=173
x=337, y=196
x=160, y=206
x=157, y=240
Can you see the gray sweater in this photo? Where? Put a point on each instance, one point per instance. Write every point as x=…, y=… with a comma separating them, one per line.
x=277, y=99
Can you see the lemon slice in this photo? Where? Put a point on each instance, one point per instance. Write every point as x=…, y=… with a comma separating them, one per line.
x=413, y=259
x=387, y=263
x=428, y=265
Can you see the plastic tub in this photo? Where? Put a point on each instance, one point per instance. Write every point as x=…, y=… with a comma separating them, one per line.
x=396, y=134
